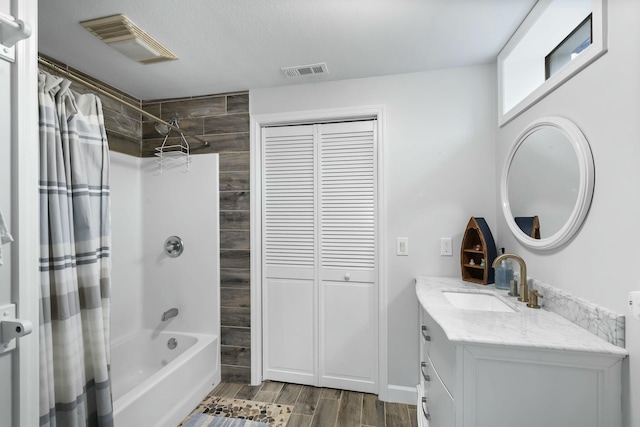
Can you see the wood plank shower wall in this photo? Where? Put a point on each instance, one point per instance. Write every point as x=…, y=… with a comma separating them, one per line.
x=223, y=120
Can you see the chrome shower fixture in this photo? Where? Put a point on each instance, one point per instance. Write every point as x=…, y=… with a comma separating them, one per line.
x=163, y=129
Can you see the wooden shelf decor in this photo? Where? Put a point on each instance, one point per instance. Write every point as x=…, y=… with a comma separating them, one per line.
x=477, y=246
x=530, y=225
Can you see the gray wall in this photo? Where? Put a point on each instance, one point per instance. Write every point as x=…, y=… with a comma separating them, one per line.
x=439, y=170
x=599, y=264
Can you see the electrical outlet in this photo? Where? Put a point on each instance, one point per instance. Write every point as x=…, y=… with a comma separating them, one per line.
x=446, y=247
x=402, y=246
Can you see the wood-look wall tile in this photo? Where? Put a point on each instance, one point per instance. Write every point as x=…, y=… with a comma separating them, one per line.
x=226, y=143
x=131, y=113
x=234, y=239
x=235, y=161
x=235, y=277
x=191, y=108
x=234, y=181
x=238, y=103
x=234, y=200
x=236, y=374
x=237, y=337
x=235, y=297
x=235, y=316
x=230, y=123
x=121, y=144
x=117, y=122
x=192, y=125
x=235, y=220
x=149, y=132
x=235, y=259
x=152, y=108
x=238, y=356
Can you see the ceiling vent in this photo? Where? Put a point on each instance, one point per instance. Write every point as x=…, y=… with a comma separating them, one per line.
x=127, y=38
x=305, y=70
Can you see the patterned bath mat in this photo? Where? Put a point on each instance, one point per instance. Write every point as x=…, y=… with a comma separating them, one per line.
x=272, y=414
x=203, y=420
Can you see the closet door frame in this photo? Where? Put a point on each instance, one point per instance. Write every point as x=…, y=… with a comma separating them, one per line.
x=310, y=117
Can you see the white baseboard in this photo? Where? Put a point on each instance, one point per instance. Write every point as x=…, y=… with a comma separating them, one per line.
x=400, y=394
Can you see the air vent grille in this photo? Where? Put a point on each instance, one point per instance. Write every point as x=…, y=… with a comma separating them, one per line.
x=123, y=35
x=305, y=70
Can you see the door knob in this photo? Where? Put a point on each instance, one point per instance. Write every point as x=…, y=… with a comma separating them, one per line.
x=347, y=277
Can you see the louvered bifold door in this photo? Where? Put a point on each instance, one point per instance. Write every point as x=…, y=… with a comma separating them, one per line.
x=289, y=254
x=348, y=291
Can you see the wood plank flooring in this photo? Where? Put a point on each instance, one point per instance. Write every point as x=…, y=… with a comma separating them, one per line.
x=324, y=407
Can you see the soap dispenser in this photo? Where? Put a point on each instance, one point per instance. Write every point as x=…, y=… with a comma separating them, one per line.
x=504, y=273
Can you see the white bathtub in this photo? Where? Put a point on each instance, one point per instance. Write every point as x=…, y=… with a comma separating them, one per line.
x=154, y=386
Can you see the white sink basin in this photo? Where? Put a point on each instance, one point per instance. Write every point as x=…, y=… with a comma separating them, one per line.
x=477, y=301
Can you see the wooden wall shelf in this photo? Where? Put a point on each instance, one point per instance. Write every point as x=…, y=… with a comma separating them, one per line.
x=477, y=246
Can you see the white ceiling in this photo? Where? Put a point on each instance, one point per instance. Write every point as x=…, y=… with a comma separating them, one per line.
x=237, y=45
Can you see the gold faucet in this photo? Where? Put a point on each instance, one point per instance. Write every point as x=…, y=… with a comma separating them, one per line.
x=524, y=287
x=533, y=296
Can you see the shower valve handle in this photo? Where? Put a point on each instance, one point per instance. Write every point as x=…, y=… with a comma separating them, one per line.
x=173, y=246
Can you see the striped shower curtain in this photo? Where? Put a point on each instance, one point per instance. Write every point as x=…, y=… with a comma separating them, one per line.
x=75, y=264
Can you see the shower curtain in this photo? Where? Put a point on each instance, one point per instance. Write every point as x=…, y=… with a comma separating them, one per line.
x=75, y=264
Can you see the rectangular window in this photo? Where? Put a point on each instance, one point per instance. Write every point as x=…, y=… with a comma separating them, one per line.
x=569, y=48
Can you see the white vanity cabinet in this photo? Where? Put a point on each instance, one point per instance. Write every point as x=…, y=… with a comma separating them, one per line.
x=471, y=383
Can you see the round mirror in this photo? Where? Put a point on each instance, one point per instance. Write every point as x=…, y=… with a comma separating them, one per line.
x=547, y=183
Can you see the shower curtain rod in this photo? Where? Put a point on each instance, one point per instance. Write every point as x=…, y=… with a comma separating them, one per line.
x=101, y=91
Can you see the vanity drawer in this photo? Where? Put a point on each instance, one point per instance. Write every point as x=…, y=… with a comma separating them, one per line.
x=439, y=350
x=426, y=375
x=437, y=406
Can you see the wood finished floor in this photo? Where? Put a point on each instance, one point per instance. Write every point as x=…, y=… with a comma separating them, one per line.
x=324, y=407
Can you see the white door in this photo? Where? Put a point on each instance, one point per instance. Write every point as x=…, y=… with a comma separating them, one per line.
x=320, y=311
x=19, y=205
x=289, y=250
x=348, y=292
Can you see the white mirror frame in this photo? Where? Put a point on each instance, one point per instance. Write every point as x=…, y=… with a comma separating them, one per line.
x=589, y=55
x=585, y=189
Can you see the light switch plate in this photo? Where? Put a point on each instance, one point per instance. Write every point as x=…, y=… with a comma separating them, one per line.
x=402, y=246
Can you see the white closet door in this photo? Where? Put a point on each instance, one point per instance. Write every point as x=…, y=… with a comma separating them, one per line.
x=348, y=292
x=289, y=249
x=320, y=304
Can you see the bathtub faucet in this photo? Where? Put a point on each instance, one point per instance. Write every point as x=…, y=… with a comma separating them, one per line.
x=172, y=312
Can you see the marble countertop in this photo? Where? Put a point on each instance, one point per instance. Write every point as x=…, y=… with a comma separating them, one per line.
x=526, y=327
